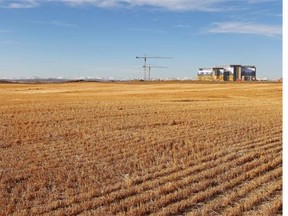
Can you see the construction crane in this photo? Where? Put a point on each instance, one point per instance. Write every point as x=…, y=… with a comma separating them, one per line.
x=149, y=70
x=145, y=57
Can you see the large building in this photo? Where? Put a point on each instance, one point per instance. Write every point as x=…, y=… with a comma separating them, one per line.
x=228, y=73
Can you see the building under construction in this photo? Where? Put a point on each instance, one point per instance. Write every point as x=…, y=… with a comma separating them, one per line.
x=228, y=73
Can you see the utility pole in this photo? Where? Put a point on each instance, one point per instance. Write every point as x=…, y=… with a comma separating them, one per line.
x=145, y=57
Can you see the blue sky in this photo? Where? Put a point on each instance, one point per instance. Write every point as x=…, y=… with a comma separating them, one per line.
x=101, y=38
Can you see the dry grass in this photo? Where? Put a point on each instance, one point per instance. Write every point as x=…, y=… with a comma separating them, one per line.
x=138, y=149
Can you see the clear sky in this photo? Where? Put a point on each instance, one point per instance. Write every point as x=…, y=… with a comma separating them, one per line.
x=101, y=38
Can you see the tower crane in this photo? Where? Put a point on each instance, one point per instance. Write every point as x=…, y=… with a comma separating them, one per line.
x=149, y=69
x=145, y=57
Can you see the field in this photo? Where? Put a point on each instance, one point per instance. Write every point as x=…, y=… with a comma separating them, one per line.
x=172, y=148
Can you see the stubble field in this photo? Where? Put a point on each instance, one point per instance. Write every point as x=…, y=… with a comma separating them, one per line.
x=141, y=149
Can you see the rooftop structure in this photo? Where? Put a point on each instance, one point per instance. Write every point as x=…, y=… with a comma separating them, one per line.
x=228, y=73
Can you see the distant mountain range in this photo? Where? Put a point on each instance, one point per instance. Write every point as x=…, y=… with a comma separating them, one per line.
x=50, y=80
x=78, y=79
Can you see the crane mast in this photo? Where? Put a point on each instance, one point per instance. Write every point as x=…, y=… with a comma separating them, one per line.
x=149, y=70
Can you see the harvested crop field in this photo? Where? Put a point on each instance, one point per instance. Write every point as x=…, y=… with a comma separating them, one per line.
x=171, y=148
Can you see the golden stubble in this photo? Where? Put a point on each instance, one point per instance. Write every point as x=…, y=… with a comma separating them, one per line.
x=163, y=148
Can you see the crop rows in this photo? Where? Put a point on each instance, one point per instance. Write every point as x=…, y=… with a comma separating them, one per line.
x=133, y=149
